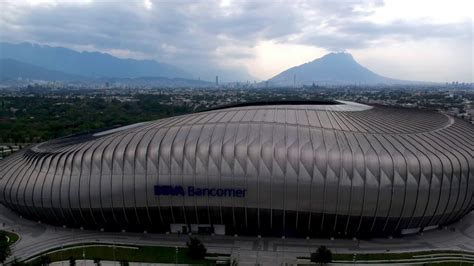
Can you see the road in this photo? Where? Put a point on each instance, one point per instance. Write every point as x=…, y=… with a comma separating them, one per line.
x=36, y=238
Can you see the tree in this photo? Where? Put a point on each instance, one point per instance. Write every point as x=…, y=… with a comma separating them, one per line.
x=16, y=262
x=72, y=261
x=234, y=262
x=196, y=248
x=5, y=251
x=97, y=261
x=44, y=260
x=322, y=255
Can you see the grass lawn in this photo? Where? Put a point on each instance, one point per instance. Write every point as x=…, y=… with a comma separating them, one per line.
x=12, y=237
x=123, y=253
x=392, y=256
x=449, y=264
x=348, y=257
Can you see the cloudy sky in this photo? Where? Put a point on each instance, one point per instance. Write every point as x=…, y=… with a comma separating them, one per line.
x=238, y=39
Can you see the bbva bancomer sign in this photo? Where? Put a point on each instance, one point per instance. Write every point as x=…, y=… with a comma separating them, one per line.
x=192, y=191
x=309, y=169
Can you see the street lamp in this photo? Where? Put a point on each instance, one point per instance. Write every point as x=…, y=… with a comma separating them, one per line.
x=62, y=250
x=113, y=251
x=176, y=255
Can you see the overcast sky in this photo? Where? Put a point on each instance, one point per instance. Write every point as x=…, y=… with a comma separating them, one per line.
x=236, y=39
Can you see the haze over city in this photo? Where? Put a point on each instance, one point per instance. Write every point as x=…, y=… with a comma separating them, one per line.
x=256, y=40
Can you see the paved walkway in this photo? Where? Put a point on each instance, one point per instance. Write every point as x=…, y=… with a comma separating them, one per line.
x=37, y=238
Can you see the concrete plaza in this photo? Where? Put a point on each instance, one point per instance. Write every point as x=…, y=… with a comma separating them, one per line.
x=36, y=238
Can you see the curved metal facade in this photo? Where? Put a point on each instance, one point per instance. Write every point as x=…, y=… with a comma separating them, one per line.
x=309, y=170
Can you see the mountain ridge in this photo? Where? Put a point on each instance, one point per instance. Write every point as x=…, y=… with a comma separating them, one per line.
x=11, y=69
x=331, y=69
x=87, y=64
x=17, y=72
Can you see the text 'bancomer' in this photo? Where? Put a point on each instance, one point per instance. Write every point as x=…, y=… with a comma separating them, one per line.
x=192, y=191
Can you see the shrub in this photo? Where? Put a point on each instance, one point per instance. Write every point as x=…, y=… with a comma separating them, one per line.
x=97, y=261
x=44, y=260
x=5, y=251
x=72, y=261
x=196, y=248
x=322, y=255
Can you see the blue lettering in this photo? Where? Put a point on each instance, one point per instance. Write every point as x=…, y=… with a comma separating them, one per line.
x=192, y=191
x=178, y=190
x=169, y=191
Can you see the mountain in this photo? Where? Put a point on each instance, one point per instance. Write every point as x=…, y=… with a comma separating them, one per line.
x=331, y=69
x=16, y=72
x=87, y=64
x=13, y=70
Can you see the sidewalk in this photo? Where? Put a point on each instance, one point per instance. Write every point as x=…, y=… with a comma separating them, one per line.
x=37, y=238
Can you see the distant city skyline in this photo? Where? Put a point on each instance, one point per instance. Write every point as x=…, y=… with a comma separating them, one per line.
x=246, y=40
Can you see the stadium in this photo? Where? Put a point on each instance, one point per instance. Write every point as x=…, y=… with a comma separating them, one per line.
x=296, y=169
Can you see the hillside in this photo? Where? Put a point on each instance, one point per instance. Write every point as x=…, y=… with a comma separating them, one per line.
x=331, y=69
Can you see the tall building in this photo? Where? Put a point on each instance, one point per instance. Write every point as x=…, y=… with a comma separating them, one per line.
x=291, y=168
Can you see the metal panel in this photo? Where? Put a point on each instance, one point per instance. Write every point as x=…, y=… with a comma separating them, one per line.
x=310, y=169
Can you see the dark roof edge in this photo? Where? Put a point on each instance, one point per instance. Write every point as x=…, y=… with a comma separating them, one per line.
x=278, y=103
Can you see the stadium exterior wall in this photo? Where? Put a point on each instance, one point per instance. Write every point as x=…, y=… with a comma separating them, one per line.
x=342, y=170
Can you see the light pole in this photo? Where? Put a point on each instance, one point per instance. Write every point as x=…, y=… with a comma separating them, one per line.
x=113, y=251
x=62, y=250
x=176, y=255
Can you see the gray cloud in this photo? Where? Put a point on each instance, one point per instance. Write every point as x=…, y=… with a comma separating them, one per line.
x=192, y=34
x=361, y=34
